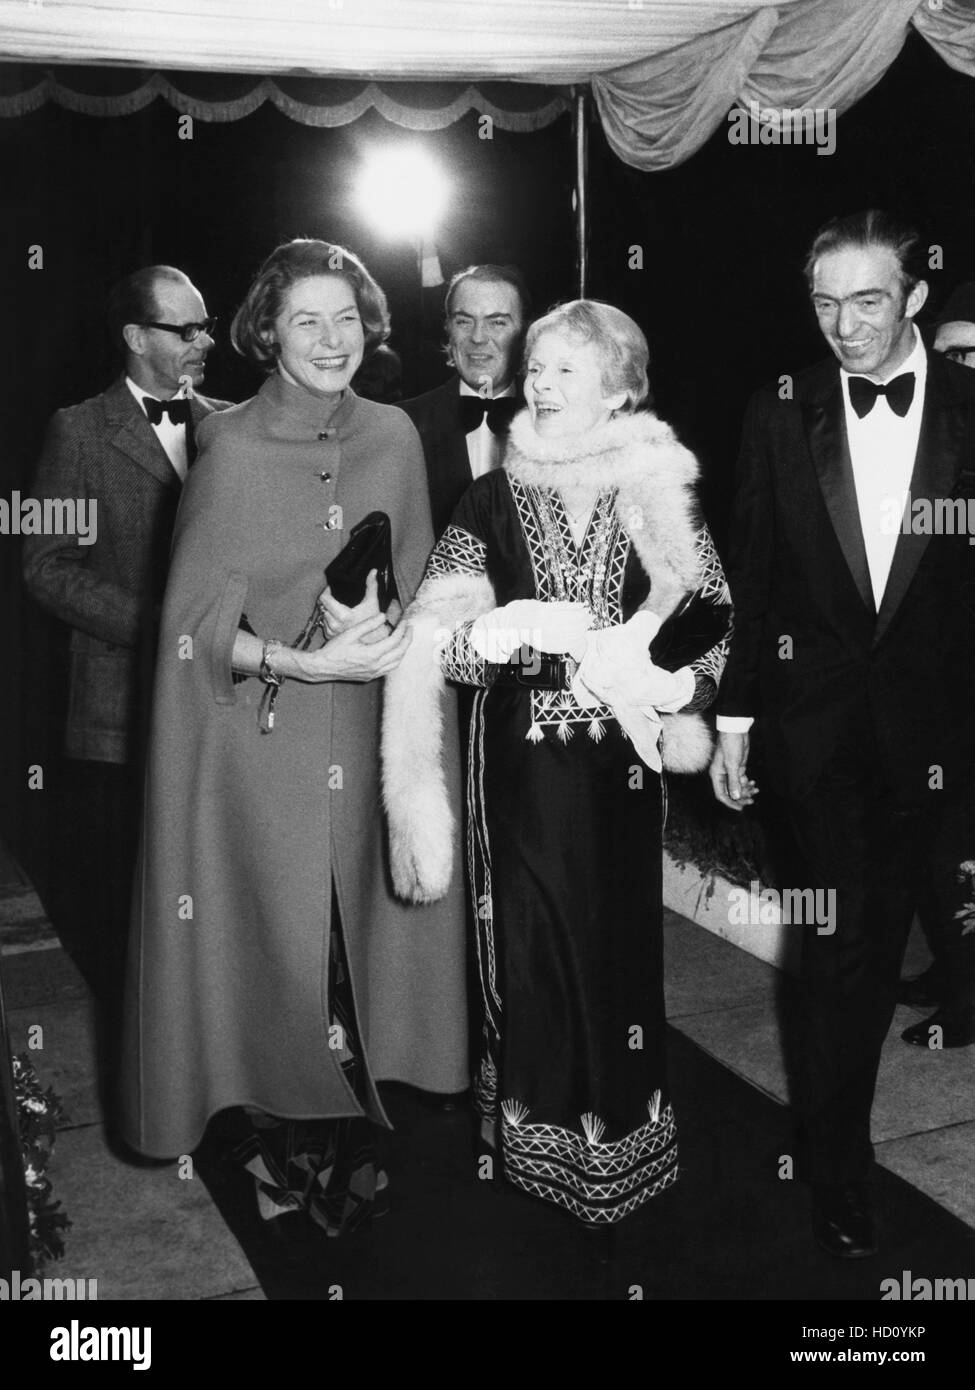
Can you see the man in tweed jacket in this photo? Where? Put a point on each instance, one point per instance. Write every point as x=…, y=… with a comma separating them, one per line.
x=125, y=453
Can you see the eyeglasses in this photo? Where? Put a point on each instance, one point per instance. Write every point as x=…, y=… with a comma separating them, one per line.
x=189, y=332
x=958, y=354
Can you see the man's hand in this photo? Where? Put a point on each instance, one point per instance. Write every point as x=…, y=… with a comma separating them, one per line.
x=732, y=786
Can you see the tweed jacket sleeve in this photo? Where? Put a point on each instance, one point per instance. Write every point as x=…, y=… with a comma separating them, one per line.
x=61, y=574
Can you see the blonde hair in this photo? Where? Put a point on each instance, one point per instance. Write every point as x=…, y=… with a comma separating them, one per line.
x=619, y=342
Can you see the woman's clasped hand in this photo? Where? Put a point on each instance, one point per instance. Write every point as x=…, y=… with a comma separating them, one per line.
x=361, y=644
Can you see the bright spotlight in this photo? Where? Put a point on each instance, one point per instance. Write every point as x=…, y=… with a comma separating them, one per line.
x=402, y=192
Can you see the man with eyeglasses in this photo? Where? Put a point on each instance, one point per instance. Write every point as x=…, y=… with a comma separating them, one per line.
x=463, y=424
x=955, y=326
x=126, y=452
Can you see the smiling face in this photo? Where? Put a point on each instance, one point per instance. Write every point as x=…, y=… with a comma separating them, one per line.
x=862, y=308
x=564, y=387
x=155, y=358
x=484, y=332
x=319, y=334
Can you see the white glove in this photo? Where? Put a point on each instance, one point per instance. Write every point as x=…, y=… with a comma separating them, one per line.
x=527, y=622
x=616, y=670
x=617, y=667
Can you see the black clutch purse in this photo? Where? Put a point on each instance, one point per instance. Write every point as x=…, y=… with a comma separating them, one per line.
x=689, y=633
x=369, y=547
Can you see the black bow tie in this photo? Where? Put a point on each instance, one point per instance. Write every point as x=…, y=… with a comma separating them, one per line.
x=500, y=412
x=899, y=393
x=178, y=410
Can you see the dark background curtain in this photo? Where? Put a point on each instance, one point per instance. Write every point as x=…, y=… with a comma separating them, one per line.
x=720, y=294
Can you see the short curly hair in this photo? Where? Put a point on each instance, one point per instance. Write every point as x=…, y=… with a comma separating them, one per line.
x=252, y=329
x=619, y=342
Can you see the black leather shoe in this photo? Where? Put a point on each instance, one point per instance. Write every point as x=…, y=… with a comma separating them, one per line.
x=957, y=1029
x=843, y=1220
x=925, y=991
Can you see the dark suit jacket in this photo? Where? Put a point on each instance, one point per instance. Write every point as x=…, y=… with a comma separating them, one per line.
x=437, y=417
x=798, y=570
x=108, y=592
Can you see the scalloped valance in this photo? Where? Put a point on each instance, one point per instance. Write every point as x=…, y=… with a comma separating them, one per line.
x=310, y=101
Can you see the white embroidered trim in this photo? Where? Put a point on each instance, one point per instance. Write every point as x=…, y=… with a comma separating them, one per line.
x=456, y=550
x=595, y=1181
x=595, y=578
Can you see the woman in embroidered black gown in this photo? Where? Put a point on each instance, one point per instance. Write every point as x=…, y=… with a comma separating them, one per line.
x=546, y=591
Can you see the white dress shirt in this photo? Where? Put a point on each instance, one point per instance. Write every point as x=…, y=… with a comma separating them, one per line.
x=883, y=447
x=882, y=450
x=484, y=448
x=171, y=437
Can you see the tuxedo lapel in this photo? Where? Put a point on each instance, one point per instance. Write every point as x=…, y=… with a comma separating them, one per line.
x=936, y=467
x=129, y=431
x=825, y=426
x=455, y=459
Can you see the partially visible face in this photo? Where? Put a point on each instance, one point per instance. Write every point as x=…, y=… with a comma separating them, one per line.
x=957, y=339
x=564, y=387
x=862, y=309
x=320, y=334
x=484, y=332
x=157, y=359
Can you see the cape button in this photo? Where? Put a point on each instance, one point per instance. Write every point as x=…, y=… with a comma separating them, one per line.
x=325, y=434
x=325, y=477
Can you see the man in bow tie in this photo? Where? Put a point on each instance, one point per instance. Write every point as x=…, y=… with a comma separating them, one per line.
x=126, y=452
x=463, y=424
x=854, y=654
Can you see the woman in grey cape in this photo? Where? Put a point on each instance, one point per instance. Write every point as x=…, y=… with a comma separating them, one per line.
x=270, y=965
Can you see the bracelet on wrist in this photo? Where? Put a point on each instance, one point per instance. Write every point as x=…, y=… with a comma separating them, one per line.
x=273, y=682
x=267, y=672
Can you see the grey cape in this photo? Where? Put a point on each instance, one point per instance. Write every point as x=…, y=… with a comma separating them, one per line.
x=227, y=992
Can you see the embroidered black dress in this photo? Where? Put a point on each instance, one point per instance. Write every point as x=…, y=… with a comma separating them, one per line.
x=564, y=844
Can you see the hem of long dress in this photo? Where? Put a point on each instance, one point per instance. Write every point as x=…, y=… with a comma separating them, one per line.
x=585, y=1211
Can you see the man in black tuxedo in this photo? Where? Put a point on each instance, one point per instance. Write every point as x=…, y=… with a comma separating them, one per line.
x=463, y=423
x=125, y=451
x=854, y=650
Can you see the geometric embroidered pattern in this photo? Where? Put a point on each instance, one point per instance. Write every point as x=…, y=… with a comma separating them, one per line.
x=457, y=550
x=709, y=668
x=713, y=584
x=598, y=1182
x=458, y=659
x=485, y=1086
x=590, y=573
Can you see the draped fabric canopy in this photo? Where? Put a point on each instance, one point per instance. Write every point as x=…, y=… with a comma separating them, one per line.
x=664, y=73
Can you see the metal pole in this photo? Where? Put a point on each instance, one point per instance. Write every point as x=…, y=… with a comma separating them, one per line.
x=581, y=196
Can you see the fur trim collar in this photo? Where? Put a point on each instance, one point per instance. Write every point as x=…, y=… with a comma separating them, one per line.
x=656, y=501
x=625, y=451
